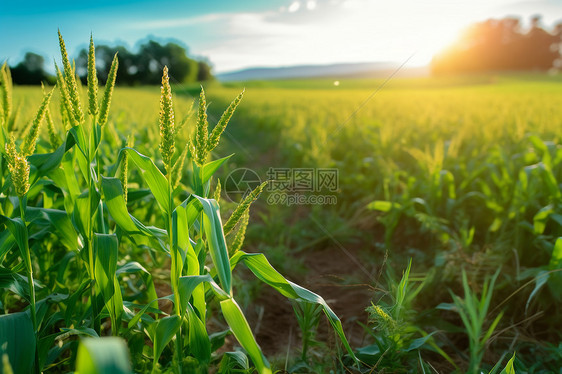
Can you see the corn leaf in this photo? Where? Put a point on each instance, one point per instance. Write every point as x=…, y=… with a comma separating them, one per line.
x=108, y=355
x=217, y=244
x=164, y=331
x=241, y=330
x=153, y=176
x=18, y=338
x=106, y=250
x=556, y=257
x=19, y=231
x=210, y=168
x=198, y=338
x=509, y=369
x=136, y=268
x=183, y=218
x=263, y=270
x=115, y=202
x=62, y=225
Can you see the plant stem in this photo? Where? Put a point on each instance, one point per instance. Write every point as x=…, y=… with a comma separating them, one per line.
x=29, y=270
x=174, y=275
x=91, y=189
x=31, y=283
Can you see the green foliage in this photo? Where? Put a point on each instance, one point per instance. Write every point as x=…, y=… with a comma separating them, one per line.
x=398, y=339
x=145, y=66
x=17, y=336
x=308, y=318
x=103, y=356
x=474, y=313
x=457, y=173
x=67, y=224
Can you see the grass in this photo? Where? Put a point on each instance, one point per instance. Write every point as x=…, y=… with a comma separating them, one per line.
x=456, y=173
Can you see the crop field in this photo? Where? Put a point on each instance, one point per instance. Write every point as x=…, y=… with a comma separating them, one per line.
x=436, y=246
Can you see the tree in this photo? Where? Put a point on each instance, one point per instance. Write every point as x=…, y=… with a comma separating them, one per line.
x=31, y=70
x=204, y=70
x=495, y=45
x=127, y=72
x=145, y=67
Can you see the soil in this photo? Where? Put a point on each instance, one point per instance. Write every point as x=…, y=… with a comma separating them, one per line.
x=331, y=273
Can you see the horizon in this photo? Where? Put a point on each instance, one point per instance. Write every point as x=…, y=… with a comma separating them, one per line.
x=253, y=34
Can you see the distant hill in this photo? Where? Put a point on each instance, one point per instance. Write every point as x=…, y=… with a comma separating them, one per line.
x=349, y=70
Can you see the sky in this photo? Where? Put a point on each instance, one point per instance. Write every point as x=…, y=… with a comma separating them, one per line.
x=240, y=34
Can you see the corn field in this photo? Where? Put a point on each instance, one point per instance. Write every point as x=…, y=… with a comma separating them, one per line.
x=119, y=253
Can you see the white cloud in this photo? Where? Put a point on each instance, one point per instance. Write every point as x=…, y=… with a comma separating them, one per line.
x=336, y=31
x=294, y=6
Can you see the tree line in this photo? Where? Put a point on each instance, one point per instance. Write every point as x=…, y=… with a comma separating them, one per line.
x=141, y=68
x=502, y=45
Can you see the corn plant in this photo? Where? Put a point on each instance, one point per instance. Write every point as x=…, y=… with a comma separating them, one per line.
x=194, y=232
x=82, y=196
x=474, y=313
x=398, y=339
x=508, y=369
x=308, y=317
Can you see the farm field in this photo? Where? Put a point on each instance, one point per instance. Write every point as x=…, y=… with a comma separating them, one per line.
x=439, y=252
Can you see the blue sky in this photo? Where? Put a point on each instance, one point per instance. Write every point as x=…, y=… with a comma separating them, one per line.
x=238, y=34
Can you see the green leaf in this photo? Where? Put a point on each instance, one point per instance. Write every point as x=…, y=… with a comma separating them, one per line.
x=147, y=309
x=17, y=340
x=62, y=225
x=19, y=231
x=383, y=206
x=135, y=267
x=73, y=303
x=217, y=244
x=164, y=331
x=106, y=249
x=419, y=342
x=82, y=330
x=107, y=355
x=555, y=264
x=509, y=369
x=540, y=280
x=47, y=162
x=113, y=198
x=217, y=339
x=183, y=218
x=15, y=282
x=262, y=269
x=241, y=330
x=84, y=211
x=232, y=361
x=153, y=176
x=540, y=219
x=188, y=284
x=556, y=257
x=79, y=136
x=7, y=241
x=198, y=338
x=210, y=168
